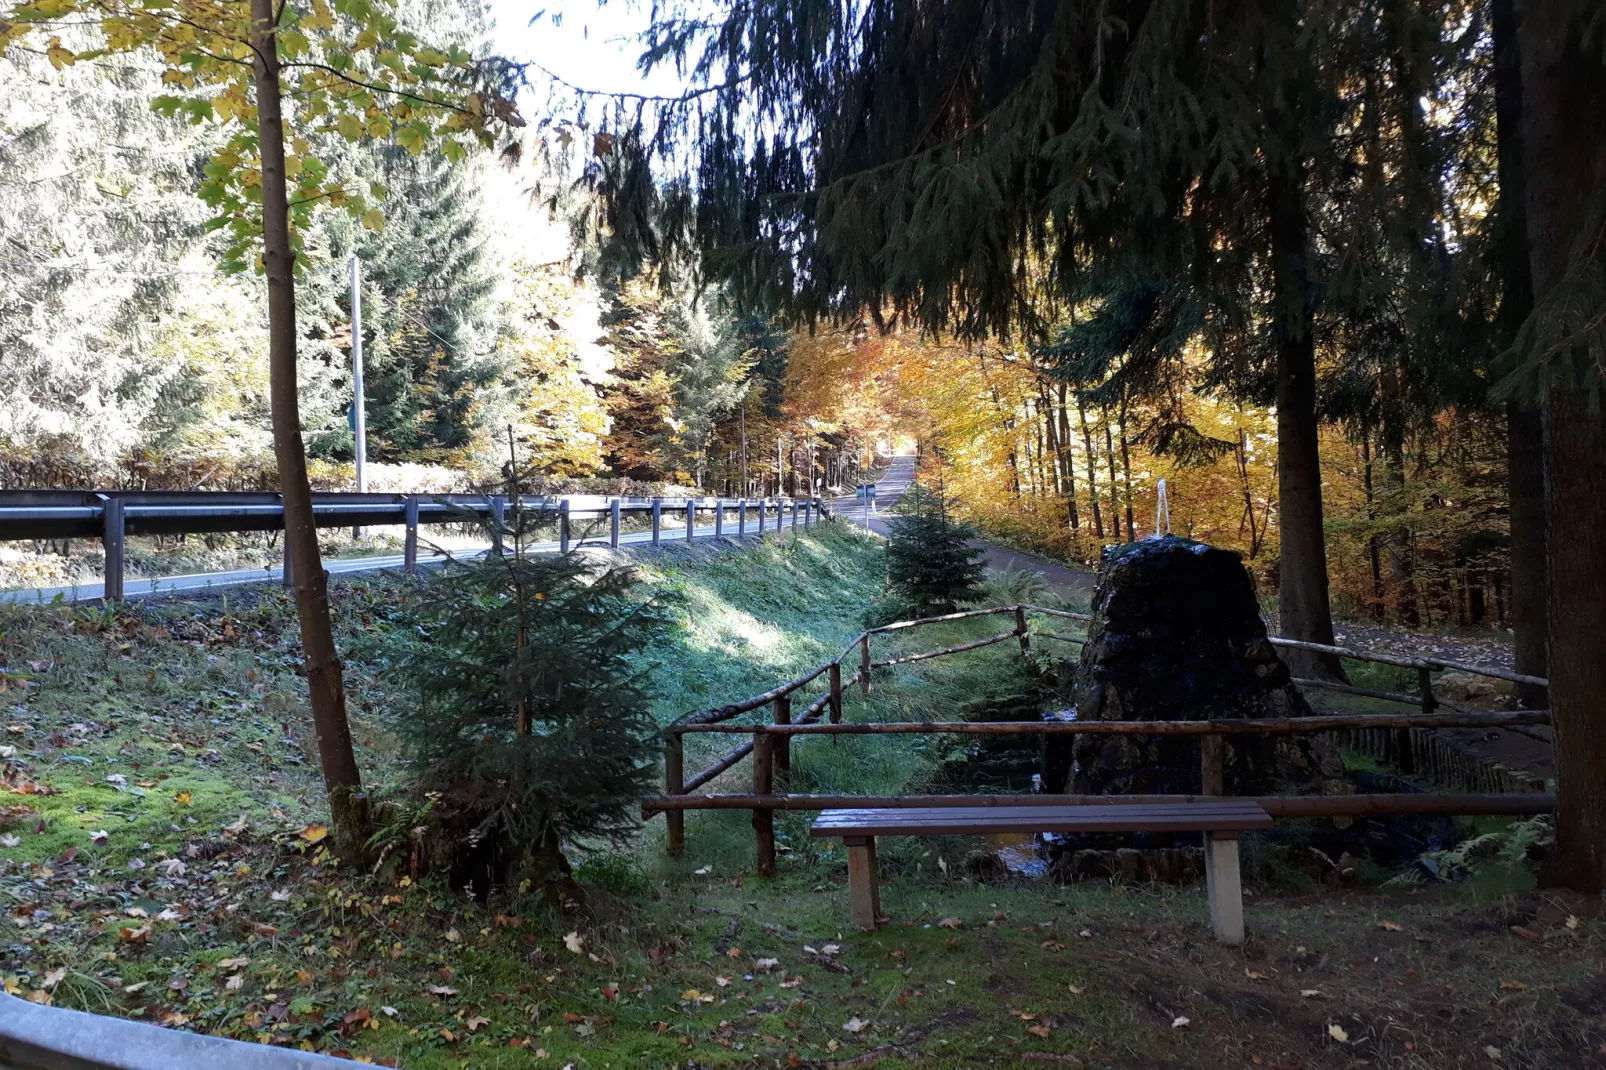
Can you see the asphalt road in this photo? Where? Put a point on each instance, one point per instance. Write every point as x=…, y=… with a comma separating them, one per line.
x=889, y=489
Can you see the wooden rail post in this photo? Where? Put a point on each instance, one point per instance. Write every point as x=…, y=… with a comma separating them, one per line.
x=1404, y=752
x=1020, y=630
x=808, y=514
x=410, y=542
x=1212, y=765
x=761, y=517
x=719, y=518
x=864, y=665
x=111, y=539
x=691, y=518
x=657, y=519
x=741, y=517
x=783, y=744
x=613, y=523
x=675, y=784
x=836, y=692
x=763, y=783
x=563, y=526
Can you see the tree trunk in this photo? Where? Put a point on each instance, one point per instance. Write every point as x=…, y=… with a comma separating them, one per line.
x=1126, y=475
x=1302, y=606
x=343, y=782
x=1525, y=457
x=1373, y=553
x=1092, y=470
x=745, y=483
x=1402, y=566
x=1115, y=502
x=1564, y=156
x=1068, y=464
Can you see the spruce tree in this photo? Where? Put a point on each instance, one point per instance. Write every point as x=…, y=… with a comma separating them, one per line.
x=532, y=719
x=933, y=563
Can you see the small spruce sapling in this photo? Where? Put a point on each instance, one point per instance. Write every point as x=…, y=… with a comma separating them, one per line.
x=533, y=720
x=932, y=563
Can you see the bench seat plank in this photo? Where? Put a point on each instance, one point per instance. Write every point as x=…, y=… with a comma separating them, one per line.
x=1227, y=815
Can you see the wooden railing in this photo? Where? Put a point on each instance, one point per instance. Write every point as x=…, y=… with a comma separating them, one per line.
x=770, y=745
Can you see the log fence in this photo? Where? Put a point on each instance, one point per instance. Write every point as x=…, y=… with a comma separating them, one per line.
x=771, y=740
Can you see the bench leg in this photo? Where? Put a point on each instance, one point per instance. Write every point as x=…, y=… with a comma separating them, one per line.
x=1225, y=888
x=862, y=887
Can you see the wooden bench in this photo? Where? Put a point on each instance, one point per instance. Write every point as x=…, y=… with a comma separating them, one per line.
x=1220, y=821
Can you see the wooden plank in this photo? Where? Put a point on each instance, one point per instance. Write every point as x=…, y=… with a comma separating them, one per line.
x=764, y=818
x=1511, y=803
x=674, y=784
x=864, y=888
x=1228, y=815
x=1224, y=885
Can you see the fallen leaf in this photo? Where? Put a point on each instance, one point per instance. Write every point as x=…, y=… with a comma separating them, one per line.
x=281, y=896
x=266, y=930
x=1492, y=1052
x=1390, y=926
x=1572, y=921
x=314, y=833
x=442, y=990
x=1525, y=932
x=1513, y=986
x=1181, y=1023
x=1042, y=1031
x=182, y=798
x=232, y=964
x=134, y=935
x=236, y=827
x=10, y=841
x=453, y=936
x=949, y=923
x=722, y=981
x=736, y=952
x=53, y=977
x=1310, y=993
x=235, y=983
x=1337, y=1032
x=135, y=987
x=1254, y=975
x=173, y=867
x=767, y=965
x=99, y=838
x=575, y=942
x=474, y=1024
x=854, y=1024
x=831, y=949
x=1076, y=990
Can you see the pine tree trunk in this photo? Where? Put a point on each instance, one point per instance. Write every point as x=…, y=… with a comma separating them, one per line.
x=1126, y=474
x=1564, y=154
x=1525, y=458
x=1068, y=463
x=342, y=781
x=1115, y=503
x=1402, y=569
x=1302, y=606
x=1374, y=554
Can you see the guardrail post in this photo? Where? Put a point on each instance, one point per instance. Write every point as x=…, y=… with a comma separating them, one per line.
x=794, y=514
x=808, y=514
x=410, y=543
x=613, y=523
x=719, y=518
x=563, y=526
x=675, y=784
x=836, y=692
x=657, y=519
x=741, y=518
x=498, y=520
x=1020, y=630
x=1404, y=752
x=763, y=784
x=783, y=744
x=691, y=519
x=864, y=665
x=111, y=539
x=761, y=517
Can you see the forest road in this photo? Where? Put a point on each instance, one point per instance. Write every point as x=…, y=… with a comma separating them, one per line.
x=1067, y=580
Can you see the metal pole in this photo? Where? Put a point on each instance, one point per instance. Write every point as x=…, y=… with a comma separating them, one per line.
x=359, y=426
x=761, y=516
x=719, y=518
x=613, y=524
x=657, y=518
x=691, y=518
x=563, y=527
x=111, y=538
x=741, y=518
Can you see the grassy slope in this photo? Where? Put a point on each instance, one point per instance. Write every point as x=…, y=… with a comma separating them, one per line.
x=201, y=699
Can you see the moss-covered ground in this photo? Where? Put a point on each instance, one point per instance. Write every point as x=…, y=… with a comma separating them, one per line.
x=161, y=851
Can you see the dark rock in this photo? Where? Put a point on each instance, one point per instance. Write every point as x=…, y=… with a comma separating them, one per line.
x=1177, y=635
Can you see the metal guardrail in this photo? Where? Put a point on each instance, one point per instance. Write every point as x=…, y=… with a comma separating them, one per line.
x=33, y=1037
x=114, y=515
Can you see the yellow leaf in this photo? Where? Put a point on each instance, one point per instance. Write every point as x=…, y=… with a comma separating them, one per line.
x=182, y=798
x=59, y=57
x=374, y=219
x=314, y=833
x=1513, y=986
x=1337, y=1032
x=349, y=126
x=1390, y=926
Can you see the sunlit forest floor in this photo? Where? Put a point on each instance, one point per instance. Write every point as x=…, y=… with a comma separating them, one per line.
x=162, y=860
